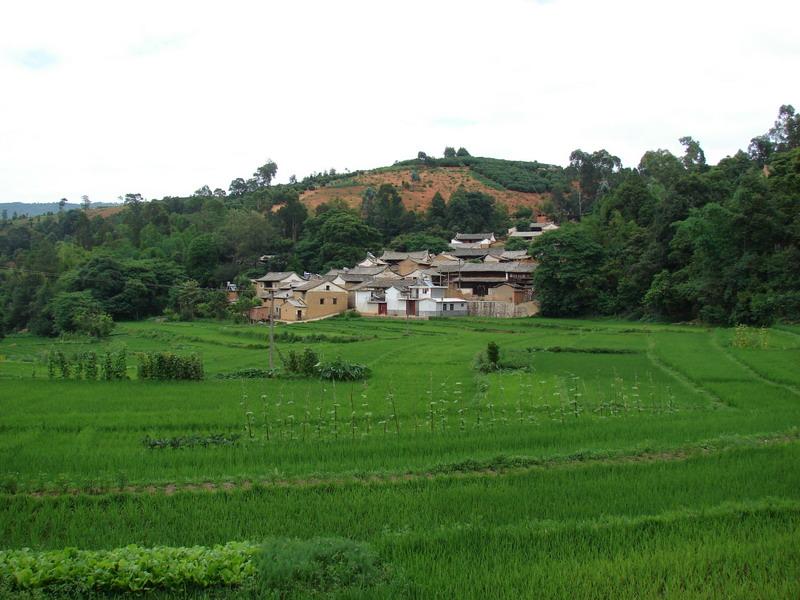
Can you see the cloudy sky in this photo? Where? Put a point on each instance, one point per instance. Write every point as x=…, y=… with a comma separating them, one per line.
x=105, y=98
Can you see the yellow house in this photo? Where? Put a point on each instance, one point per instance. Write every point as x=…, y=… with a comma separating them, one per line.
x=313, y=300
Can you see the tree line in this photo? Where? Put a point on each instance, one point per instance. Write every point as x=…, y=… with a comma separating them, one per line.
x=673, y=238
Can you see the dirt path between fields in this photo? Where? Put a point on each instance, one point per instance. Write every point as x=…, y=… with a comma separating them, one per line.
x=468, y=469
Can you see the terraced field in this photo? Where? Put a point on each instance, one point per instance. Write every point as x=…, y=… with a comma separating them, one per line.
x=615, y=460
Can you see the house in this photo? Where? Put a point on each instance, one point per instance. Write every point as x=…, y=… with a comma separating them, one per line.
x=351, y=277
x=480, y=240
x=369, y=297
x=314, y=299
x=475, y=279
x=371, y=261
x=475, y=254
x=534, y=230
x=443, y=257
x=510, y=292
x=231, y=292
x=508, y=256
x=274, y=281
x=406, y=264
x=443, y=307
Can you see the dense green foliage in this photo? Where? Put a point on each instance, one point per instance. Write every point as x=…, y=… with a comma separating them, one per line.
x=129, y=569
x=680, y=240
x=166, y=365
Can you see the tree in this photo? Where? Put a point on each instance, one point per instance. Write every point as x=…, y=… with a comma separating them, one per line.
x=336, y=237
x=201, y=257
x=292, y=215
x=516, y=244
x=412, y=242
x=85, y=202
x=185, y=298
x=265, y=173
x=238, y=187
x=437, y=212
x=422, y=156
x=462, y=152
x=567, y=281
x=694, y=159
x=449, y=152
x=78, y=312
x=473, y=212
x=663, y=166
x=386, y=212
x=61, y=204
x=594, y=172
x=203, y=192
x=784, y=135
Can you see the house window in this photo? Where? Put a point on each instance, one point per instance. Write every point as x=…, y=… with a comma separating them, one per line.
x=322, y=300
x=327, y=288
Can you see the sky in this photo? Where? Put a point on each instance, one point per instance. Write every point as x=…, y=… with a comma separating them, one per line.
x=159, y=98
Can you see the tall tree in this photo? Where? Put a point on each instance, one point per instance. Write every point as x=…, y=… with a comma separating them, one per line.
x=265, y=173
x=594, y=173
x=694, y=159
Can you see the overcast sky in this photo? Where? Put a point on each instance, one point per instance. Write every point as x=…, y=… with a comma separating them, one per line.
x=104, y=98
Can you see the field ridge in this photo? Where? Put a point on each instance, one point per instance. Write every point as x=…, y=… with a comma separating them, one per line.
x=498, y=466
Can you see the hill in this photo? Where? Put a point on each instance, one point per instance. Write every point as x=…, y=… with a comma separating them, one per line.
x=514, y=184
x=33, y=209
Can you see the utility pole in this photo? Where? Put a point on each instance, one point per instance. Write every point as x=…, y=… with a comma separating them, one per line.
x=271, y=328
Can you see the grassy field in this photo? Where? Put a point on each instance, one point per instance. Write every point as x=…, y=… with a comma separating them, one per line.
x=622, y=461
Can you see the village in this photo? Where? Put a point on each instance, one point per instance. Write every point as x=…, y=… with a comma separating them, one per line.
x=476, y=276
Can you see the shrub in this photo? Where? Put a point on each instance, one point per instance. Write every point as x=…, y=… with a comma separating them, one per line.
x=493, y=353
x=508, y=360
x=79, y=312
x=190, y=441
x=318, y=565
x=76, y=573
x=85, y=365
x=166, y=365
x=251, y=373
x=302, y=364
x=341, y=370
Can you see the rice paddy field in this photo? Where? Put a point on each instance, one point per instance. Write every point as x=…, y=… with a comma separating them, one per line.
x=607, y=460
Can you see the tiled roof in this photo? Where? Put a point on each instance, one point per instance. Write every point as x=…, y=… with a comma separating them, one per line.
x=277, y=276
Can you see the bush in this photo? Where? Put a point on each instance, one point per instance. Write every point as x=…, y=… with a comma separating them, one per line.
x=308, y=364
x=78, y=312
x=341, y=370
x=72, y=572
x=493, y=353
x=165, y=365
x=251, y=373
x=318, y=565
x=302, y=364
x=508, y=360
x=85, y=365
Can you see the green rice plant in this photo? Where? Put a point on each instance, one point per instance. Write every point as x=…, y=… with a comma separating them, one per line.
x=318, y=565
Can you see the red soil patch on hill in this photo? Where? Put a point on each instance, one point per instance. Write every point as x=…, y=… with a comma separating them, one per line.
x=419, y=194
x=106, y=211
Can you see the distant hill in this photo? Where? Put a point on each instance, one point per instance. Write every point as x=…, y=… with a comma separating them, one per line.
x=512, y=183
x=32, y=209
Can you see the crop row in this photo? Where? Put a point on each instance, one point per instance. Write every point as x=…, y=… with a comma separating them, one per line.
x=277, y=565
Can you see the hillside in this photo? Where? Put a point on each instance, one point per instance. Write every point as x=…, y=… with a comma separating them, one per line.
x=33, y=209
x=417, y=195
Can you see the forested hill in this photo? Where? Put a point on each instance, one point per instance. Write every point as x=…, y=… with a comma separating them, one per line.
x=671, y=238
x=10, y=210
